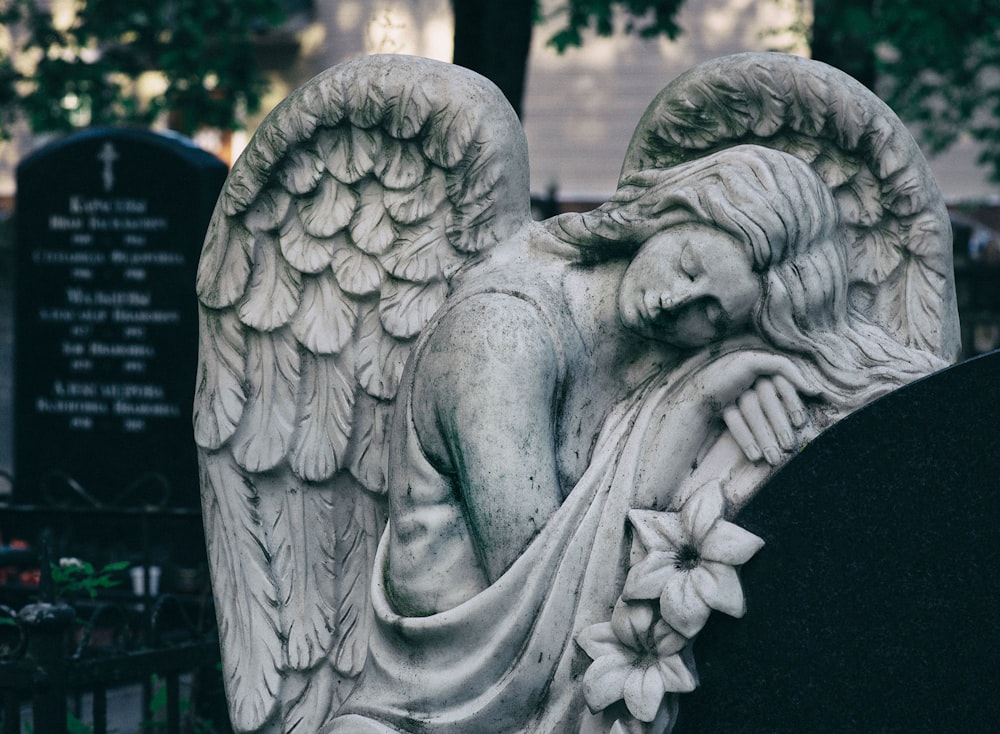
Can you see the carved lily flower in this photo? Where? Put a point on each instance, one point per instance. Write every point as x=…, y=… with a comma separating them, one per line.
x=689, y=561
x=635, y=660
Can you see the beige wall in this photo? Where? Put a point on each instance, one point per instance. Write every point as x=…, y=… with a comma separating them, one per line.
x=583, y=105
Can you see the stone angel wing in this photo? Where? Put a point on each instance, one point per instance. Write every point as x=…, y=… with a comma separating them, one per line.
x=331, y=246
x=900, y=257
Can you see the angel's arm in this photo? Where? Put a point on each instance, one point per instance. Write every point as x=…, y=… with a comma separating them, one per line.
x=673, y=443
x=483, y=400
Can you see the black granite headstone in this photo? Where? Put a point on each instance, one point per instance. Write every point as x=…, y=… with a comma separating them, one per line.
x=875, y=604
x=110, y=224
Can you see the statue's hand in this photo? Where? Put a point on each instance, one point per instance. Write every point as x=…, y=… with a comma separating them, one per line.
x=767, y=416
x=768, y=419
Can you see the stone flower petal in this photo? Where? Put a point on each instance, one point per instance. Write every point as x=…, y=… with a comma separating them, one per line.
x=604, y=681
x=658, y=530
x=599, y=640
x=677, y=677
x=729, y=543
x=681, y=605
x=719, y=586
x=667, y=640
x=647, y=578
x=644, y=692
x=631, y=623
x=702, y=511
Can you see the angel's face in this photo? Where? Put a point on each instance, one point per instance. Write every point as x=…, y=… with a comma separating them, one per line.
x=690, y=285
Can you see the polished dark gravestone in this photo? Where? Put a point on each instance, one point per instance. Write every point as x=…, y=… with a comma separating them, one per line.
x=875, y=605
x=109, y=227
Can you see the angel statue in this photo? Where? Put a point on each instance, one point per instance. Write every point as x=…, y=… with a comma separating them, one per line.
x=466, y=472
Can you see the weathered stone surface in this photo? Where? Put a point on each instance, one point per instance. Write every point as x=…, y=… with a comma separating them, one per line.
x=555, y=423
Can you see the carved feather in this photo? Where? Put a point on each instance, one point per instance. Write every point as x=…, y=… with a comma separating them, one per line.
x=313, y=697
x=766, y=101
x=372, y=229
x=877, y=255
x=220, y=388
x=259, y=159
x=299, y=122
x=888, y=151
x=244, y=181
x=809, y=103
x=301, y=171
x=357, y=272
x=380, y=358
x=225, y=265
x=408, y=207
x=926, y=273
x=834, y=169
x=326, y=318
x=303, y=251
x=915, y=307
x=905, y=193
x=422, y=253
x=408, y=111
x=452, y=133
x=467, y=225
x=359, y=526
x=859, y=201
x=324, y=97
x=268, y=211
x=275, y=287
x=365, y=101
x=245, y=592
x=299, y=521
x=264, y=435
x=403, y=165
x=848, y=120
x=923, y=234
x=406, y=307
x=475, y=179
x=329, y=209
x=325, y=412
x=350, y=152
x=366, y=459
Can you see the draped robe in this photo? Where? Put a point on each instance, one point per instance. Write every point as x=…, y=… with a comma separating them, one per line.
x=506, y=660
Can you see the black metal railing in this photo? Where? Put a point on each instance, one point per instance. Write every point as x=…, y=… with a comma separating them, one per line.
x=55, y=652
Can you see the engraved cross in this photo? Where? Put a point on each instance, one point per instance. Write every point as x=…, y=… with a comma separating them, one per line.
x=108, y=156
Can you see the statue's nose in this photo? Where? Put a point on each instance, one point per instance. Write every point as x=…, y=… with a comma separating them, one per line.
x=675, y=298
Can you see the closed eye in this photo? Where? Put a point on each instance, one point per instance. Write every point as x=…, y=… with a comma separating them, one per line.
x=690, y=263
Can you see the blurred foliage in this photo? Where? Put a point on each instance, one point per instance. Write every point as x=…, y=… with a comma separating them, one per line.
x=197, y=58
x=940, y=64
x=644, y=18
x=935, y=62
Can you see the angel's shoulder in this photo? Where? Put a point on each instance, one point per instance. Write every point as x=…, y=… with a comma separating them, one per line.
x=490, y=353
x=488, y=330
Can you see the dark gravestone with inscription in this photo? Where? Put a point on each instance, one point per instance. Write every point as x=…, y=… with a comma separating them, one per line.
x=109, y=226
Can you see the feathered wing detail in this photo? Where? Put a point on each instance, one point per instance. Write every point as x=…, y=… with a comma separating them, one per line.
x=332, y=246
x=249, y=623
x=901, y=251
x=220, y=382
